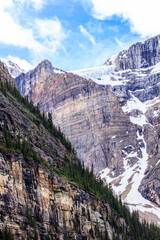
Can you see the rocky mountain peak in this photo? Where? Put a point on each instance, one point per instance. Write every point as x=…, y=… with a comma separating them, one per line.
x=37, y=202
x=139, y=55
x=36, y=77
x=45, y=64
x=48, y=67
x=12, y=68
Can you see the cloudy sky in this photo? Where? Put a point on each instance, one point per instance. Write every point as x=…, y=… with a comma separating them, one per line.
x=73, y=34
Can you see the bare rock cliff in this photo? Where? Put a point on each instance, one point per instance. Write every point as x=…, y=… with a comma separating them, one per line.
x=139, y=55
x=90, y=115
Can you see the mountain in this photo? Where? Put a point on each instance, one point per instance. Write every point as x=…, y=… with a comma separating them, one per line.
x=36, y=78
x=111, y=116
x=45, y=192
x=13, y=68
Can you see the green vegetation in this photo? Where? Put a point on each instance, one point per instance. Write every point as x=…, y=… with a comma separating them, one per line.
x=7, y=87
x=6, y=234
x=16, y=145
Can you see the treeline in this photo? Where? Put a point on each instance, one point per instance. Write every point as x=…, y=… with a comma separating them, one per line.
x=35, y=110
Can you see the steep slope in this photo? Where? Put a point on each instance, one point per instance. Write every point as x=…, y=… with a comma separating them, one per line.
x=36, y=199
x=112, y=123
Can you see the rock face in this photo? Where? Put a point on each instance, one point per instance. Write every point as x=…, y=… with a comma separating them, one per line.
x=35, y=203
x=36, y=77
x=111, y=116
x=139, y=55
x=86, y=113
x=32, y=197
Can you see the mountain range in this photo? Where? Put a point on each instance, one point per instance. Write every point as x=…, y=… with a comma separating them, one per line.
x=45, y=191
x=109, y=118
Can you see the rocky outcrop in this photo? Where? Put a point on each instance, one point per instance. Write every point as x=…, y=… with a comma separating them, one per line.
x=139, y=55
x=150, y=186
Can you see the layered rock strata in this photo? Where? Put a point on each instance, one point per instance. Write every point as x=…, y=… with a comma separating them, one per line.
x=35, y=203
x=89, y=115
x=139, y=55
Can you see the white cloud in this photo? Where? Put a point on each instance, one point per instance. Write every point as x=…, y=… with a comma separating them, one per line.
x=37, y=4
x=13, y=33
x=5, y=4
x=87, y=34
x=121, y=44
x=51, y=29
x=42, y=38
x=51, y=32
x=22, y=63
x=143, y=15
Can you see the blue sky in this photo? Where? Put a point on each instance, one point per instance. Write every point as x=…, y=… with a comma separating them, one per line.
x=73, y=34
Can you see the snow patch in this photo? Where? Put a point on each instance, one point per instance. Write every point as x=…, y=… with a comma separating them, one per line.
x=157, y=162
x=133, y=176
x=156, y=68
x=140, y=120
x=134, y=103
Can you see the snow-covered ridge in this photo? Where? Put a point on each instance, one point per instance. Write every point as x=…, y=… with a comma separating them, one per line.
x=12, y=68
x=105, y=75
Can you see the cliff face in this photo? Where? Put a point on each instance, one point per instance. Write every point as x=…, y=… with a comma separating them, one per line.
x=34, y=201
x=86, y=113
x=36, y=77
x=139, y=55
